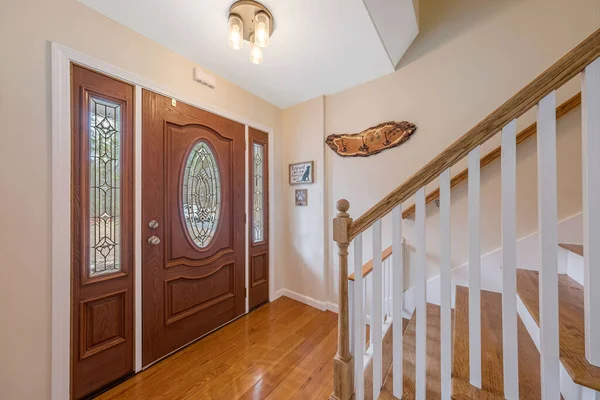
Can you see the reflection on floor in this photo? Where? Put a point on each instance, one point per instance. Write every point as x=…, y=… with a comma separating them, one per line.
x=283, y=350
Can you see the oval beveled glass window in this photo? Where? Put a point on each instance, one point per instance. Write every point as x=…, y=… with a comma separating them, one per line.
x=201, y=194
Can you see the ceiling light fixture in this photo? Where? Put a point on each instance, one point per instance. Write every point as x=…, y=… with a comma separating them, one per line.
x=250, y=20
x=256, y=53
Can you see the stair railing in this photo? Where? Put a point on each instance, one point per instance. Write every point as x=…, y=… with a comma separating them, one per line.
x=365, y=306
x=540, y=93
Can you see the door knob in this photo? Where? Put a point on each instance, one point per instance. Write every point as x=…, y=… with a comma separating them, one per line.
x=153, y=224
x=153, y=240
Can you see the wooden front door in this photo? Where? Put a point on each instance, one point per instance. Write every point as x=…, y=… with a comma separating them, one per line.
x=193, y=223
x=258, y=235
x=101, y=231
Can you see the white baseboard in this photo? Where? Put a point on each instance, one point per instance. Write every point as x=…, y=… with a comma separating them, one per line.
x=575, y=266
x=318, y=304
x=332, y=307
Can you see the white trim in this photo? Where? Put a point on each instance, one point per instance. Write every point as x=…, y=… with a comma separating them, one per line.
x=574, y=266
x=138, y=230
x=272, y=247
x=331, y=306
x=61, y=229
x=246, y=224
x=318, y=304
x=61, y=57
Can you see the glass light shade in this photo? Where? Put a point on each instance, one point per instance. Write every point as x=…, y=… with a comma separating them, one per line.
x=256, y=53
x=262, y=29
x=236, y=32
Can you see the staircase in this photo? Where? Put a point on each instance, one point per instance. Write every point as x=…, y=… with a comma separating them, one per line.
x=539, y=338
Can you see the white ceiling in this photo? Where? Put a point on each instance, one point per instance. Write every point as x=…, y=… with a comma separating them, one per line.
x=318, y=46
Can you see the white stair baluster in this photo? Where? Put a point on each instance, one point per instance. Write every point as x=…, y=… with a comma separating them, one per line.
x=377, y=317
x=509, y=263
x=547, y=226
x=386, y=277
x=590, y=98
x=359, y=321
x=421, y=297
x=397, y=289
x=474, y=269
x=445, y=287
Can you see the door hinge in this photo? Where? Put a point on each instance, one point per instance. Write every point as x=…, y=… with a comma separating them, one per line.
x=246, y=292
x=246, y=218
x=245, y=144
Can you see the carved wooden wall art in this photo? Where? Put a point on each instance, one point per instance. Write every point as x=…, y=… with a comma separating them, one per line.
x=371, y=141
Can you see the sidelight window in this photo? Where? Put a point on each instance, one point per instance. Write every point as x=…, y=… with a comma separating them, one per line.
x=258, y=195
x=105, y=199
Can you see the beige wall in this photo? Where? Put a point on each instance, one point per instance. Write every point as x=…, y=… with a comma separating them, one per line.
x=469, y=57
x=305, y=251
x=26, y=27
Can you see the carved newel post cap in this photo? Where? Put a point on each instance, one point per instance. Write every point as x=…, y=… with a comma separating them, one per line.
x=343, y=206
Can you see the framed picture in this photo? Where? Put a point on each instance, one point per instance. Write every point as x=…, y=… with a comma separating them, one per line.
x=301, y=197
x=301, y=173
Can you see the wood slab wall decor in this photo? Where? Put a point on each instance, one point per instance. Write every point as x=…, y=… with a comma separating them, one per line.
x=371, y=141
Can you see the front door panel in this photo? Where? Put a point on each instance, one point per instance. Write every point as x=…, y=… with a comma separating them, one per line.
x=193, y=193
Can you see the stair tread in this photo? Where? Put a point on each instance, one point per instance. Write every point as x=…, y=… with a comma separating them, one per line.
x=409, y=354
x=571, y=324
x=387, y=347
x=574, y=248
x=491, y=351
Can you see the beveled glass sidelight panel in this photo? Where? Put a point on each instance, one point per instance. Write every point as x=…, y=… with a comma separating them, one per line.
x=105, y=193
x=258, y=195
x=201, y=194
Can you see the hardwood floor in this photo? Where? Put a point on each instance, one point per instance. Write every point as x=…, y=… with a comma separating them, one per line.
x=283, y=350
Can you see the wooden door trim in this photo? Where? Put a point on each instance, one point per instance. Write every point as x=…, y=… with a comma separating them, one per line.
x=61, y=59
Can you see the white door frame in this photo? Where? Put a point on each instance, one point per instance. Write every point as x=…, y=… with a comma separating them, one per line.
x=62, y=57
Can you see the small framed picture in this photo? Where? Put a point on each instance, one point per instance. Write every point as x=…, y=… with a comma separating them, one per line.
x=301, y=173
x=301, y=197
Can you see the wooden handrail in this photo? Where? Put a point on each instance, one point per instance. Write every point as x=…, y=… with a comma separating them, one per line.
x=561, y=111
x=554, y=77
x=368, y=267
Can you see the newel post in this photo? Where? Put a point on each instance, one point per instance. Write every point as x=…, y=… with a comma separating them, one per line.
x=343, y=363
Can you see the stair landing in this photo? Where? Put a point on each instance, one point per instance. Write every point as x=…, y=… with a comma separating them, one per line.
x=491, y=352
x=571, y=324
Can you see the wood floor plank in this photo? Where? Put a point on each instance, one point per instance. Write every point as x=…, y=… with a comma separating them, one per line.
x=242, y=358
x=268, y=343
x=255, y=373
x=203, y=375
x=207, y=349
x=320, y=384
x=316, y=331
x=304, y=370
x=571, y=324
